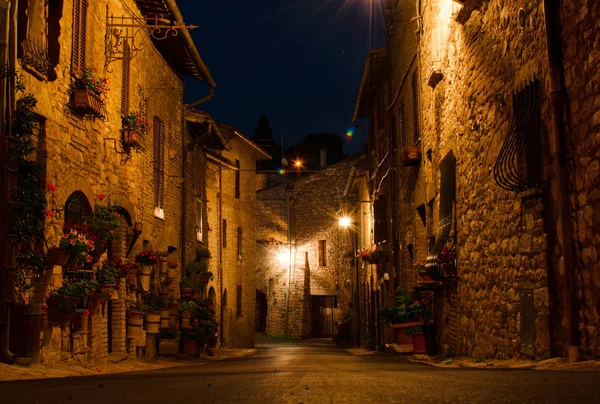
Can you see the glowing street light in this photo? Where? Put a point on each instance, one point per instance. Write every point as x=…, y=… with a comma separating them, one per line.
x=345, y=222
x=298, y=163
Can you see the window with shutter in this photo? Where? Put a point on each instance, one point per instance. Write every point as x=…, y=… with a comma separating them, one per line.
x=159, y=168
x=237, y=179
x=322, y=253
x=125, y=79
x=415, y=94
x=239, y=242
x=79, y=29
x=239, y=301
x=401, y=124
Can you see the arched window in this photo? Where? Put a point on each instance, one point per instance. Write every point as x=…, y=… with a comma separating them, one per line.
x=212, y=295
x=77, y=209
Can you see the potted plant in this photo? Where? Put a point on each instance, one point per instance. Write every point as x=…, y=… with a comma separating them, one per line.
x=135, y=319
x=168, y=341
x=152, y=318
x=379, y=255
x=203, y=254
x=364, y=254
x=78, y=244
x=129, y=270
x=60, y=256
x=424, y=277
x=187, y=288
x=447, y=262
x=102, y=224
x=146, y=259
x=405, y=313
x=133, y=129
x=173, y=312
x=74, y=299
x=87, y=91
x=191, y=336
x=108, y=275
x=187, y=309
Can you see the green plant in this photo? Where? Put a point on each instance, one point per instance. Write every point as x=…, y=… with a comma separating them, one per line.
x=203, y=253
x=196, y=267
x=127, y=268
x=77, y=243
x=153, y=303
x=146, y=258
x=105, y=220
x=420, y=267
x=187, y=283
x=408, y=307
x=108, y=273
x=188, y=306
x=82, y=293
x=138, y=306
x=134, y=121
x=88, y=81
x=411, y=330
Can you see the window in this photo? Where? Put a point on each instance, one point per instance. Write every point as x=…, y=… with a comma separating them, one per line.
x=447, y=196
x=322, y=253
x=159, y=168
x=224, y=234
x=239, y=242
x=199, y=196
x=125, y=79
x=37, y=36
x=79, y=29
x=239, y=301
x=77, y=210
x=415, y=94
x=237, y=179
x=401, y=124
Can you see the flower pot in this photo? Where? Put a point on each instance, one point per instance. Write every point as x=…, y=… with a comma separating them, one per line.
x=80, y=323
x=132, y=138
x=145, y=273
x=419, y=341
x=60, y=257
x=88, y=103
x=186, y=293
x=163, y=269
x=168, y=346
x=399, y=332
x=210, y=351
x=152, y=323
x=132, y=280
x=134, y=324
x=99, y=249
x=164, y=318
x=190, y=347
x=173, y=314
x=186, y=315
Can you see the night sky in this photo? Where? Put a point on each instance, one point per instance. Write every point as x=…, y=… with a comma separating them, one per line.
x=300, y=62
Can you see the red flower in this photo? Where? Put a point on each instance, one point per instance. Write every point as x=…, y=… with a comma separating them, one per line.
x=101, y=196
x=189, y=327
x=195, y=320
x=86, y=312
x=425, y=302
x=48, y=212
x=116, y=214
x=50, y=187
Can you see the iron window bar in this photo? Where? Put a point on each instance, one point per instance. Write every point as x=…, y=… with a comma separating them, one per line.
x=35, y=56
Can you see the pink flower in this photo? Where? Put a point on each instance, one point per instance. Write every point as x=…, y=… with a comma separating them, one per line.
x=72, y=242
x=101, y=196
x=195, y=320
x=50, y=187
x=65, y=235
x=88, y=259
x=48, y=212
x=86, y=312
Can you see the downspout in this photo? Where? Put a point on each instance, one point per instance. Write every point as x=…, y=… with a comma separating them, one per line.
x=200, y=101
x=183, y=189
x=220, y=224
x=392, y=160
x=558, y=137
x=9, y=105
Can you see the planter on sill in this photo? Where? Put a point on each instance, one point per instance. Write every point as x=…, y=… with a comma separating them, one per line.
x=132, y=138
x=88, y=103
x=411, y=155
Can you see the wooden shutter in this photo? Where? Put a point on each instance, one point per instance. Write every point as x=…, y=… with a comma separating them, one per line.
x=159, y=163
x=224, y=234
x=237, y=179
x=79, y=29
x=125, y=79
x=239, y=300
x=239, y=241
x=401, y=124
x=322, y=253
x=415, y=94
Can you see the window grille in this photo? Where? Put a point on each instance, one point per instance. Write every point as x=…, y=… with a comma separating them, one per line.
x=77, y=210
x=518, y=166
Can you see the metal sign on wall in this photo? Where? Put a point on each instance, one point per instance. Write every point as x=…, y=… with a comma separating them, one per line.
x=527, y=322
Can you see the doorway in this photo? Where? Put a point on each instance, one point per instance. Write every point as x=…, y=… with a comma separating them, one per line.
x=324, y=316
x=261, y=312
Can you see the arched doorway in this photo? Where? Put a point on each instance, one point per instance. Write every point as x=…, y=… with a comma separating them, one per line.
x=260, y=320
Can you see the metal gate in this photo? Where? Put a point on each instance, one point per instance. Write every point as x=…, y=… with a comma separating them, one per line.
x=324, y=316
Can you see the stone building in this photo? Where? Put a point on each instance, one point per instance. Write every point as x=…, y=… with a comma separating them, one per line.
x=306, y=261
x=227, y=199
x=84, y=153
x=505, y=130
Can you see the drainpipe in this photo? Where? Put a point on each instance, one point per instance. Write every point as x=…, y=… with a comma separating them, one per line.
x=289, y=269
x=8, y=104
x=220, y=224
x=183, y=189
x=200, y=101
x=558, y=137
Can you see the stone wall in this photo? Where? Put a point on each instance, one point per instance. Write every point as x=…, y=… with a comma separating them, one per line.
x=581, y=44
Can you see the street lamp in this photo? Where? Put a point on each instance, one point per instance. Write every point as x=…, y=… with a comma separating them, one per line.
x=345, y=222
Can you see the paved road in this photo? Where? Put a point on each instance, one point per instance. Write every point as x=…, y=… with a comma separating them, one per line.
x=310, y=373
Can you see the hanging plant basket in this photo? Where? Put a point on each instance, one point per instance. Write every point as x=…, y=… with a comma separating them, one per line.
x=132, y=138
x=60, y=257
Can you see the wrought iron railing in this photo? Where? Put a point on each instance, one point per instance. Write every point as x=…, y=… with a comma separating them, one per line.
x=36, y=57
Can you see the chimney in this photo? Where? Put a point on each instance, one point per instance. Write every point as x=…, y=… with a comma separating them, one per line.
x=323, y=158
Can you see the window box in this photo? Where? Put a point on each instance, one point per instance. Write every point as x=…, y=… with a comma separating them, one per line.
x=88, y=102
x=410, y=155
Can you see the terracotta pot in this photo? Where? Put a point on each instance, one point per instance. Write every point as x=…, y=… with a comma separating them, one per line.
x=152, y=323
x=419, y=341
x=134, y=324
x=173, y=314
x=80, y=323
x=99, y=249
x=399, y=332
x=164, y=318
x=145, y=273
x=190, y=347
x=60, y=257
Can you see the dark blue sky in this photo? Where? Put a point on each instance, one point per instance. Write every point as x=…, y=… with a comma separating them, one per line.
x=300, y=62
